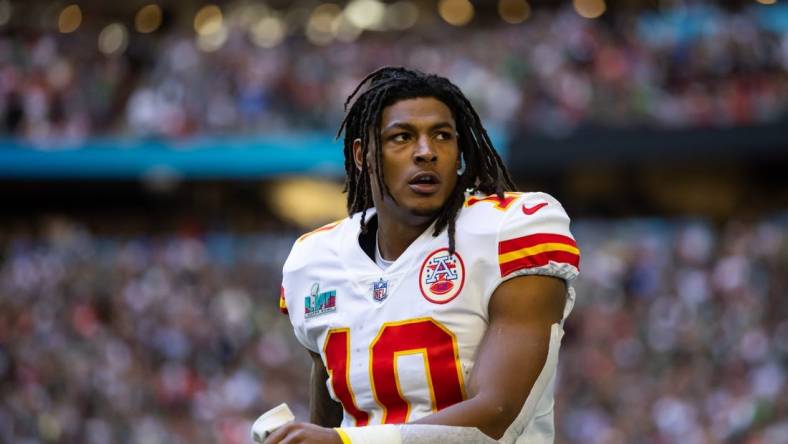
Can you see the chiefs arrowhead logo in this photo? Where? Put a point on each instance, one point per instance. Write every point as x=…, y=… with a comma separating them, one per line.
x=533, y=209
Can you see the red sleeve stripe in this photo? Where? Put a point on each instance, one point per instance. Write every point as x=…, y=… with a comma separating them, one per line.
x=519, y=243
x=282, y=302
x=539, y=260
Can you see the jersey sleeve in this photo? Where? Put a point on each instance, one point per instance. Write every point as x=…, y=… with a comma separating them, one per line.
x=534, y=238
x=289, y=302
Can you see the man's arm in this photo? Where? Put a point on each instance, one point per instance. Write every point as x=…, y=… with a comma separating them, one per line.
x=323, y=410
x=511, y=355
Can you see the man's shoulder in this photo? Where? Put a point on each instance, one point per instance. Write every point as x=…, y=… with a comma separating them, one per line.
x=319, y=243
x=524, y=232
x=323, y=233
x=491, y=214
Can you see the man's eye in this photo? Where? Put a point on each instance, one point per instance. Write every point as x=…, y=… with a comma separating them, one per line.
x=401, y=137
x=444, y=135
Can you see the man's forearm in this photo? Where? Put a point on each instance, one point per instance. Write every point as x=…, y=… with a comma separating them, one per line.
x=477, y=412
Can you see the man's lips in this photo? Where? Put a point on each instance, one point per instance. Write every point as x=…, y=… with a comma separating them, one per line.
x=424, y=188
x=425, y=182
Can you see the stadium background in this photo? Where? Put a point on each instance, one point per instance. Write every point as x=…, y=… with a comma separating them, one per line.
x=158, y=159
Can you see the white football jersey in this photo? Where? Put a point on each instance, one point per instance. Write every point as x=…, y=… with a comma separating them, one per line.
x=400, y=343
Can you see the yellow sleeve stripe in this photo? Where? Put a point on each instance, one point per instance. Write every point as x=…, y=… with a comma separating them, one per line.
x=343, y=436
x=536, y=249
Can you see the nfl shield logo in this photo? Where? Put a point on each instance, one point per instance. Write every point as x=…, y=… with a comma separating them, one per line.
x=380, y=290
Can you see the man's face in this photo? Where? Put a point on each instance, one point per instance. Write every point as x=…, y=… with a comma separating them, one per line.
x=420, y=159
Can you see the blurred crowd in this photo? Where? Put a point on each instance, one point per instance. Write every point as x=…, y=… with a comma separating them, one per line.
x=146, y=340
x=678, y=335
x=694, y=66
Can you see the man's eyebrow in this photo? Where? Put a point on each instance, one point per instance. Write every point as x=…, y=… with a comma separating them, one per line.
x=410, y=127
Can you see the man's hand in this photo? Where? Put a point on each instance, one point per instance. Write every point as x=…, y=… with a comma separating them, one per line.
x=301, y=432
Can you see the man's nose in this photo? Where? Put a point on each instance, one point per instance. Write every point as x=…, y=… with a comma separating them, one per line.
x=424, y=151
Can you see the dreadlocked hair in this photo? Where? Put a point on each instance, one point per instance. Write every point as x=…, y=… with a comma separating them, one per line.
x=484, y=169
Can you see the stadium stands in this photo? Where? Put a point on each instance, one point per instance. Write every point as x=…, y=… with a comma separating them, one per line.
x=696, y=66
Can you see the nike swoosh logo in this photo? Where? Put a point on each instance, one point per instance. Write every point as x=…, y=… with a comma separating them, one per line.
x=533, y=209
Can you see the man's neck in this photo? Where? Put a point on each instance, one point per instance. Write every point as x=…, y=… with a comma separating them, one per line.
x=394, y=238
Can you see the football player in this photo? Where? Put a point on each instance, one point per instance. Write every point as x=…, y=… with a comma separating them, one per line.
x=441, y=298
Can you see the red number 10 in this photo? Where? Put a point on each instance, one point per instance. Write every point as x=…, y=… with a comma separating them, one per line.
x=424, y=336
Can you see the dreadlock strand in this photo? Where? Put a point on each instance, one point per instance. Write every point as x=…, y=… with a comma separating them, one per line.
x=371, y=117
x=370, y=76
x=379, y=160
x=499, y=171
x=351, y=176
x=362, y=177
x=364, y=195
x=451, y=230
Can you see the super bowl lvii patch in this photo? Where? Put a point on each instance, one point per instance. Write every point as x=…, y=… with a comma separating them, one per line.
x=318, y=303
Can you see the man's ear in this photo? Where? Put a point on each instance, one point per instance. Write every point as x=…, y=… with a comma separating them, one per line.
x=357, y=154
